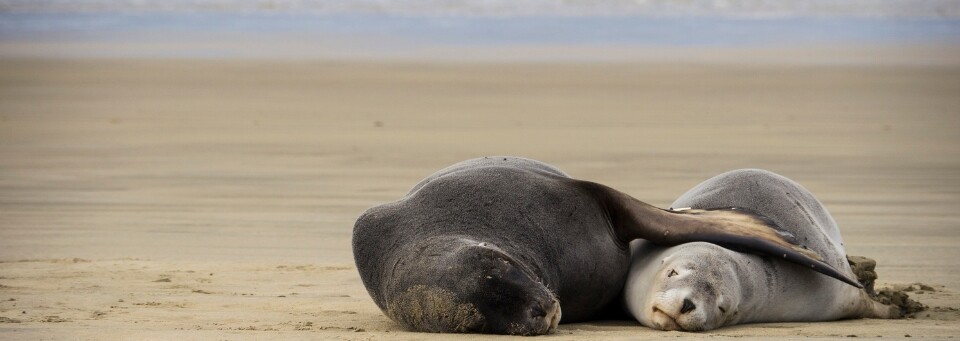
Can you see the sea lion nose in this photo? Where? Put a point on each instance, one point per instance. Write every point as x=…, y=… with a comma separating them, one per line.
x=545, y=317
x=553, y=315
x=687, y=306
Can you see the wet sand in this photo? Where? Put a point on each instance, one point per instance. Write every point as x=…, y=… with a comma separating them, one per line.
x=211, y=199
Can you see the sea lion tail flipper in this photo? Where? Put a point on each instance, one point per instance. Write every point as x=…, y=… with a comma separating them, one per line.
x=734, y=229
x=890, y=303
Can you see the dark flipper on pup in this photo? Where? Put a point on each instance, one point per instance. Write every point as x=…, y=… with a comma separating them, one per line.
x=734, y=229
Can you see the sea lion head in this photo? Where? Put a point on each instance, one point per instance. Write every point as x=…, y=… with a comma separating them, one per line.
x=463, y=285
x=696, y=288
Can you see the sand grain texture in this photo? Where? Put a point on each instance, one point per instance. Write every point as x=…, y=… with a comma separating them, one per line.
x=215, y=199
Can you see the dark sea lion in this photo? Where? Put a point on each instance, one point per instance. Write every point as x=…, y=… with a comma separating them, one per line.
x=504, y=244
x=700, y=286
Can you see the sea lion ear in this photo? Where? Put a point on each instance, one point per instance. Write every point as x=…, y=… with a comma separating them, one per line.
x=734, y=229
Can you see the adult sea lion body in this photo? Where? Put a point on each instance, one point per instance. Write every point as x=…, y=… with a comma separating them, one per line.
x=504, y=245
x=699, y=286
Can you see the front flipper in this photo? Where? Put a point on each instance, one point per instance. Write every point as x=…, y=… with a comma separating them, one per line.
x=734, y=229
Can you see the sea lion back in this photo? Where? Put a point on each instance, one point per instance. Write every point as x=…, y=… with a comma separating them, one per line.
x=491, y=161
x=788, y=204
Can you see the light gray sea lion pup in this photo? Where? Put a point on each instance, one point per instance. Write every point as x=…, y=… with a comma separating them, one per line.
x=504, y=244
x=701, y=286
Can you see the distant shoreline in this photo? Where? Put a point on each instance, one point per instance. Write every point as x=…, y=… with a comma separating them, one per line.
x=910, y=55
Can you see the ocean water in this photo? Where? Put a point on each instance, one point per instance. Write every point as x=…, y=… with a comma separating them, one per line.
x=508, y=8
x=368, y=28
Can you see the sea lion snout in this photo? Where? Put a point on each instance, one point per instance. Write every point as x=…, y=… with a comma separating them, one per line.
x=548, y=312
x=553, y=316
x=512, y=297
x=465, y=285
x=679, y=309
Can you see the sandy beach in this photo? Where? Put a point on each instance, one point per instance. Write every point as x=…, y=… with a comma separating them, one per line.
x=214, y=199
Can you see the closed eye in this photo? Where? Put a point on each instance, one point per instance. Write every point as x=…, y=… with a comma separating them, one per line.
x=672, y=273
x=722, y=310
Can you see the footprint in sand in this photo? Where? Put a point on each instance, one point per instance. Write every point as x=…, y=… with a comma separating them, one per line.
x=53, y=319
x=4, y=319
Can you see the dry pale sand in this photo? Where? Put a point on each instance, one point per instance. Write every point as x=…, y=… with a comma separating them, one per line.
x=215, y=199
